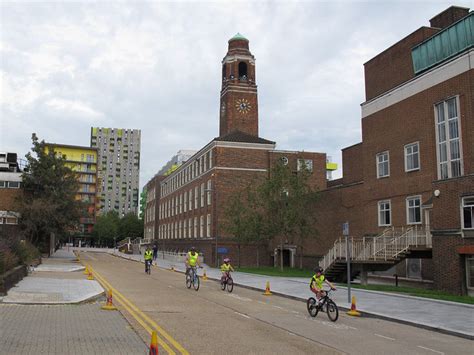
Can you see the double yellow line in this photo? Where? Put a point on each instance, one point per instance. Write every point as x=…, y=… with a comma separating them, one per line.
x=146, y=322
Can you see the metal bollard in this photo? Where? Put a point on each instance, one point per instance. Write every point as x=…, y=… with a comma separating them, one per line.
x=396, y=279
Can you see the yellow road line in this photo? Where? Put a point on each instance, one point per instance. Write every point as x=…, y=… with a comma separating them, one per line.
x=160, y=330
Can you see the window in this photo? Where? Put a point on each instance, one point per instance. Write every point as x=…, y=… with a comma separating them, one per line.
x=185, y=199
x=195, y=226
x=208, y=229
x=3, y=184
x=414, y=210
x=384, y=213
x=209, y=190
x=412, y=157
x=202, y=195
x=448, y=139
x=383, y=168
x=190, y=226
x=306, y=164
x=196, y=197
x=470, y=271
x=201, y=229
x=190, y=199
x=468, y=213
x=11, y=220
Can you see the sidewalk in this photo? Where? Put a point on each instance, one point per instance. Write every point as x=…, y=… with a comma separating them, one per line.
x=447, y=317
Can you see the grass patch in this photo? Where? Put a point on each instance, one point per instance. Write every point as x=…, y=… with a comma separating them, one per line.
x=419, y=292
x=275, y=271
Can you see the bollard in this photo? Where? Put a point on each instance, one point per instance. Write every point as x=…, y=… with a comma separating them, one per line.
x=396, y=279
x=353, y=311
x=204, y=277
x=109, y=306
x=86, y=271
x=154, y=344
x=90, y=276
x=267, y=289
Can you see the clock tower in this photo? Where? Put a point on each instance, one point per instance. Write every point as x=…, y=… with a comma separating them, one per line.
x=239, y=107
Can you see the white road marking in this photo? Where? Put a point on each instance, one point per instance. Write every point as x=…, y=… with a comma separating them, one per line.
x=170, y=286
x=351, y=327
x=295, y=312
x=383, y=336
x=239, y=297
x=243, y=315
x=278, y=307
x=437, y=352
x=261, y=302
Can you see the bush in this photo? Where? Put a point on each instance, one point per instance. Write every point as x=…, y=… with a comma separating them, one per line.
x=8, y=260
x=25, y=251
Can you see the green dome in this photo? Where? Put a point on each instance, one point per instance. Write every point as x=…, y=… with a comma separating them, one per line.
x=238, y=37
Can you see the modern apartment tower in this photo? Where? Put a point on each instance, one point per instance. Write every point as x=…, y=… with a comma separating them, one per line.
x=118, y=168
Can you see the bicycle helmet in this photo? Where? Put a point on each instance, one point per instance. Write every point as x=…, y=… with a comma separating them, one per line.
x=318, y=270
x=192, y=249
x=227, y=260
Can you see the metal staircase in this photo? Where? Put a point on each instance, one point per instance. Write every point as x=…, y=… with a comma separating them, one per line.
x=375, y=253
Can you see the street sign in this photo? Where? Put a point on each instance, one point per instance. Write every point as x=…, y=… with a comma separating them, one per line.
x=222, y=250
x=345, y=229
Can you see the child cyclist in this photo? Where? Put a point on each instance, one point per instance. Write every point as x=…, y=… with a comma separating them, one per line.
x=316, y=283
x=226, y=268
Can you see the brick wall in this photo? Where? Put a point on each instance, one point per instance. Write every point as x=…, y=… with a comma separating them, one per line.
x=352, y=164
x=8, y=197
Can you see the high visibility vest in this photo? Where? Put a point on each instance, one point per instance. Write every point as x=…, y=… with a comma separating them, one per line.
x=225, y=267
x=192, y=259
x=148, y=255
x=319, y=281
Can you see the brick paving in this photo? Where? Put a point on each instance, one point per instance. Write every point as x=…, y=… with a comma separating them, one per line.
x=66, y=329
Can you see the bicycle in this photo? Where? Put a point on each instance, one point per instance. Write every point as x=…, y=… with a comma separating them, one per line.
x=227, y=281
x=192, y=278
x=148, y=266
x=326, y=304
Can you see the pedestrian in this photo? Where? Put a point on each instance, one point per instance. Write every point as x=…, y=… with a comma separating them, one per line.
x=155, y=252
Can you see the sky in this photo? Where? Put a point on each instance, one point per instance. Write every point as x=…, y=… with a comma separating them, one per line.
x=156, y=66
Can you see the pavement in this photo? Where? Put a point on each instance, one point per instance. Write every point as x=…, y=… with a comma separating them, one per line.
x=447, y=317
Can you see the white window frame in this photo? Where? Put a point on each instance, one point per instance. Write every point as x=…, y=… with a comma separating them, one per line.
x=208, y=229
x=448, y=140
x=408, y=207
x=385, y=161
x=201, y=227
x=202, y=195
x=195, y=227
x=196, y=197
x=185, y=200
x=209, y=190
x=389, y=210
x=190, y=227
x=463, y=206
x=191, y=199
x=408, y=146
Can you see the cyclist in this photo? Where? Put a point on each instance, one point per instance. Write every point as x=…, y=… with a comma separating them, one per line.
x=148, y=258
x=226, y=268
x=316, y=283
x=191, y=259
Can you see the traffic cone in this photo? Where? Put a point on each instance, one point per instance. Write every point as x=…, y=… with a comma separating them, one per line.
x=90, y=276
x=109, y=306
x=267, y=289
x=172, y=268
x=204, y=277
x=86, y=271
x=153, y=344
x=353, y=311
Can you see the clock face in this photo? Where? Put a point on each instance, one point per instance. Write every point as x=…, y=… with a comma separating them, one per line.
x=243, y=106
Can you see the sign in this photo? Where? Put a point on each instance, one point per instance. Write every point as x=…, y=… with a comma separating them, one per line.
x=222, y=250
x=345, y=229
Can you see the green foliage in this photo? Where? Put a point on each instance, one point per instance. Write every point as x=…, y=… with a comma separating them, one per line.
x=48, y=204
x=130, y=226
x=106, y=228
x=25, y=251
x=143, y=197
x=8, y=260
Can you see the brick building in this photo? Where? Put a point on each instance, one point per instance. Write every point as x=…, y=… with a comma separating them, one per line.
x=187, y=206
x=409, y=185
x=10, y=190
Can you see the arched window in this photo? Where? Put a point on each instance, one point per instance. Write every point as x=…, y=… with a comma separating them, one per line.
x=243, y=70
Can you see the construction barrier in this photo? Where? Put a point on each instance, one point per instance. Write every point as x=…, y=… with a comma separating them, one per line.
x=153, y=344
x=109, y=305
x=267, y=289
x=353, y=311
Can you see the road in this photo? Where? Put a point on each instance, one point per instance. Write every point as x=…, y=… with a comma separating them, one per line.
x=211, y=321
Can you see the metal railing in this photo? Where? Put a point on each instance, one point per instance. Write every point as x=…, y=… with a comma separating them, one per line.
x=386, y=247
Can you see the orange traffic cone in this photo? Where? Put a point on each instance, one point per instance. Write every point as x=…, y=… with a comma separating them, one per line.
x=90, y=276
x=353, y=311
x=204, y=277
x=109, y=306
x=86, y=271
x=267, y=289
x=153, y=344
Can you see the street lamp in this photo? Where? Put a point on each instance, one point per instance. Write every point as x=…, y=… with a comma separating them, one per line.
x=215, y=217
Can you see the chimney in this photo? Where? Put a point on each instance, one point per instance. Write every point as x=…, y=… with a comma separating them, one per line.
x=449, y=16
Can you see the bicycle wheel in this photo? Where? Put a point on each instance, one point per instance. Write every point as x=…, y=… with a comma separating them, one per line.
x=331, y=310
x=230, y=285
x=188, y=280
x=222, y=285
x=313, y=309
x=196, y=282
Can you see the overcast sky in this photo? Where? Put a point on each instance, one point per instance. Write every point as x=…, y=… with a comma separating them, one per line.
x=156, y=66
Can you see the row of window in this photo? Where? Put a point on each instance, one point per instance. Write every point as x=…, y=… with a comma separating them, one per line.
x=10, y=184
x=8, y=220
x=448, y=145
x=413, y=212
x=188, y=228
x=196, y=168
x=200, y=196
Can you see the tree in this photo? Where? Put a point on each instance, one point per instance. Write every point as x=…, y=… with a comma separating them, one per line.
x=130, y=226
x=48, y=204
x=106, y=228
x=143, y=197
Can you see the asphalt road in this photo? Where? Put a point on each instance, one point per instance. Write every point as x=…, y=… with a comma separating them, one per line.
x=211, y=321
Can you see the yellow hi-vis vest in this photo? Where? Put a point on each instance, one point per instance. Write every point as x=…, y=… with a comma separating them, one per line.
x=192, y=259
x=318, y=280
x=148, y=255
